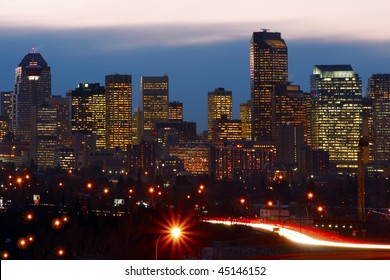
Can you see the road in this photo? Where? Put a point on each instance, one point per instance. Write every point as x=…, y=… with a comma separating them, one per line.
x=320, y=243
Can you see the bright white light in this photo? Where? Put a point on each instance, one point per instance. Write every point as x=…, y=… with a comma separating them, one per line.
x=176, y=232
x=301, y=238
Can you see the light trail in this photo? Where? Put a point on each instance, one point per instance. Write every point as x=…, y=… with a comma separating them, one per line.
x=301, y=238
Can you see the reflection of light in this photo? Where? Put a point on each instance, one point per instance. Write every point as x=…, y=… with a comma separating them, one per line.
x=301, y=238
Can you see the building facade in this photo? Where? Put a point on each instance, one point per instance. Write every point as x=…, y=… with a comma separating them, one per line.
x=220, y=104
x=379, y=96
x=154, y=93
x=268, y=67
x=246, y=120
x=337, y=114
x=175, y=112
x=89, y=111
x=32, y=87
x=119, y=102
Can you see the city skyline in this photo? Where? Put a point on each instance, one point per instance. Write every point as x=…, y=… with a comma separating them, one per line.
x=211, y=47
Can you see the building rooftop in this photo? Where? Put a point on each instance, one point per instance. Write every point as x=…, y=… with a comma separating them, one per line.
x=35, y=57
x=333, y=71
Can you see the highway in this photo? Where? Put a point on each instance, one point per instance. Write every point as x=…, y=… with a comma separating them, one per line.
x=333, y=247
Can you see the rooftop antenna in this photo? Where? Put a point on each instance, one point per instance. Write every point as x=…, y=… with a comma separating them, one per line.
x=264, y=29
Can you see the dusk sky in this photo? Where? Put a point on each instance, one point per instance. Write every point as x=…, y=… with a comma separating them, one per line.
x=199, y=44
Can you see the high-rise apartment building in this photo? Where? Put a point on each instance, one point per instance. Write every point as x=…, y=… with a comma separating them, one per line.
x=119, y=102
x=154, y=104
x=268, y=67
x=89, y=111
x=337, y=114
x=32, y=87
x=220, y=104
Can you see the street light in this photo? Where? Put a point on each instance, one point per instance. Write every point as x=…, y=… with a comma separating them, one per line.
x=175, y=232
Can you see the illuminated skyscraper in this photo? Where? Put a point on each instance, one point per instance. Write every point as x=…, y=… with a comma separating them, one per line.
x=290, y=107
x=5, y=113
x=246, y=120
x=379, y=87
x=219, y=104
x=381, y=130
x=154, y=104
x=89, y=111
x=119, y=111
x=64, y=133
x=337, y=113
x=45, y=136
x=175, y=112
x=379, y=94
x=32, y=87
x=268, y=67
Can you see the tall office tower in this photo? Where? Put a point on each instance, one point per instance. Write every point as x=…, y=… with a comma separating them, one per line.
x=381, y=130
x=290, y=107
x=119, y=102
x=268, y=67
x=5, y=113
x=32, y=87
x=89, y=111
x=337, y=114
x=175, y=111
x=379, y=94
x=246, y=120
x=4, y=127
x=154, y=104
x=45, y=137
x=6, y=106
x=219, y=104
x=379, y=87
x=289, y=141
x=64, y=133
